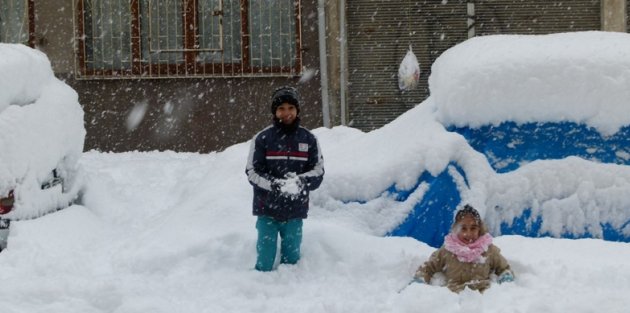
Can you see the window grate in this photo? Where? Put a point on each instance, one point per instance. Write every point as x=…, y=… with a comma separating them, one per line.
x=187, y=38
x=16, y=21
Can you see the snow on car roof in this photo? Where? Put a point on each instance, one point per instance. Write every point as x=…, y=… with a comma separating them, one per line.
x=23, y=72
x=535, y=78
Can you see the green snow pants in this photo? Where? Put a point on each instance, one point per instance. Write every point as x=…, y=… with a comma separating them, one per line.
x=267, y=244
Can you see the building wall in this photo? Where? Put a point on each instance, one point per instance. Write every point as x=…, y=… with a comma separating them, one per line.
x=614, y=15
x=208, y=114
x=183, y=114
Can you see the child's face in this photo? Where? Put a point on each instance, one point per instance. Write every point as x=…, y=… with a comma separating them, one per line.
x=286, y=113
x=468, y=229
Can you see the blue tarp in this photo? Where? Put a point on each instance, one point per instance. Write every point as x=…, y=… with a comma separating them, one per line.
x=508, y=146
x=431, y=218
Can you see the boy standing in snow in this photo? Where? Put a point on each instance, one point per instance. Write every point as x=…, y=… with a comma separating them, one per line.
x=284, y=164
x=467, y=257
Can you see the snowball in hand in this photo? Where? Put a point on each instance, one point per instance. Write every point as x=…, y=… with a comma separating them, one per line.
x=291, y=185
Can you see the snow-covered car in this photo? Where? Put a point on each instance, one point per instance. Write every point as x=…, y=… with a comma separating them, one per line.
x=536, y=133
x=41, y=138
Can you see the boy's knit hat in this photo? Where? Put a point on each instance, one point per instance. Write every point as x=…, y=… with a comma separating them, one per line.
x=285, y=94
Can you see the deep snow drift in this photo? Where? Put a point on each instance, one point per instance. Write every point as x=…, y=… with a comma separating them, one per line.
x=173, y=232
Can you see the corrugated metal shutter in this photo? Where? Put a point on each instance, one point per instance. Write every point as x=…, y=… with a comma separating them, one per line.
x=536, y=16
x=378, y=38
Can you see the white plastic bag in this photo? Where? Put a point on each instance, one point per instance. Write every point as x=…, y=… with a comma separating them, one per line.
x=408, y=72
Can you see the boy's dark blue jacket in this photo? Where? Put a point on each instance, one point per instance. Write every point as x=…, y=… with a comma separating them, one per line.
x=275, y=152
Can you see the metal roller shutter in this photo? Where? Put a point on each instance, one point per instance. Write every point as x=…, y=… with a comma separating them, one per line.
x=380, y=32
x=536, y=16
x=379, y=35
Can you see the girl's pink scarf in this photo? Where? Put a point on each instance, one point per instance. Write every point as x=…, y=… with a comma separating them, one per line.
x=468, y=252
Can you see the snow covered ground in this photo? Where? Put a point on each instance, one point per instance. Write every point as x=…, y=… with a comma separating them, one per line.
x=173, y=232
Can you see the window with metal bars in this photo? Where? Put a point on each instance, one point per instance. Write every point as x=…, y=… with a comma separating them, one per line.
x=187, y=38
x=16, y=22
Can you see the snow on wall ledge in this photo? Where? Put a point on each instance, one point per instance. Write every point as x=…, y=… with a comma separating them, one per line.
x=549, y=116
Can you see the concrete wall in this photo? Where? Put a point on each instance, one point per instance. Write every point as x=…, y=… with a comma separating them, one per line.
x=614, y=15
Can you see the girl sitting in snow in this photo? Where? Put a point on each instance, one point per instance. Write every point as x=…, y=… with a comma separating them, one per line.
x=467, y=257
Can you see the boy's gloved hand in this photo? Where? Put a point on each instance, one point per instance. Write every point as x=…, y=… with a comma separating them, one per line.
x=505, y=277
x=276, y=185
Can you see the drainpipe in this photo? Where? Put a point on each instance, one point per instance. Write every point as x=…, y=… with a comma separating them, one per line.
x=323, y=63
x=342, y=60
x=470, y=21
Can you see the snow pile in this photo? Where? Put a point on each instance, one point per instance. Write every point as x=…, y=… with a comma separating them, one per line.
x=173, y=232
x=571, y=196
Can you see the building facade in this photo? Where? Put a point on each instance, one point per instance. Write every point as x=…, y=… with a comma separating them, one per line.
x=197, y=75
